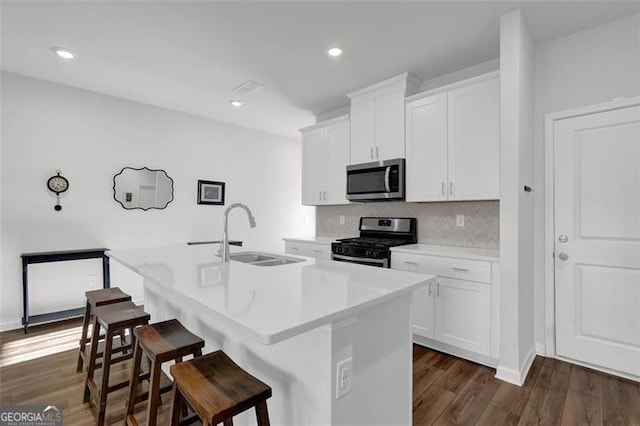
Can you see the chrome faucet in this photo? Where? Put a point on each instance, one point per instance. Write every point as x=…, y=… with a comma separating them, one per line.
x=223, y=252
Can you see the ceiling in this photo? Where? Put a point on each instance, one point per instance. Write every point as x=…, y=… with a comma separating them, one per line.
x=190, y=55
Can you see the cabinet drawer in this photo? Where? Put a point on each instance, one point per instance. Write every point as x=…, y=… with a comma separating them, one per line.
x=472, y=270
x=320, y=251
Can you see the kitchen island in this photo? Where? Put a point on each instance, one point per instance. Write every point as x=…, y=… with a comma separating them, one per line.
x=291, y=325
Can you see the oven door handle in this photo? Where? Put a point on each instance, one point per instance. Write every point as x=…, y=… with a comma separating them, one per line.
x=387, y=184
x=359, y=259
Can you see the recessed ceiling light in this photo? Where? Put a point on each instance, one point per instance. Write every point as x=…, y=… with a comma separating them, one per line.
x=334, y=51
x=236, y=103
x=64, y=53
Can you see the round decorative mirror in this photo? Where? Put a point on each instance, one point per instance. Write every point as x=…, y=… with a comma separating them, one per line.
x=142, y=188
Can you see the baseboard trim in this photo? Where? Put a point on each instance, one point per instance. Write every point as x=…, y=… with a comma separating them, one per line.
x=513, y=376
x=10, y=325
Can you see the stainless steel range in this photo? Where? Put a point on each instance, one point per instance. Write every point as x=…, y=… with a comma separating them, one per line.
x=377, y=236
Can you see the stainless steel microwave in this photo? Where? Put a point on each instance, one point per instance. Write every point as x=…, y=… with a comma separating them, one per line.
x=377, y=181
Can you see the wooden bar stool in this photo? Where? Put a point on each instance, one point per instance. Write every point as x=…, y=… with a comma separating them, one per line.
x=114, y=318
x=217, y=389
x=160, y=342
x=97, y=298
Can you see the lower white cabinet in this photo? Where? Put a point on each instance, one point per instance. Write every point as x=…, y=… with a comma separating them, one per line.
x=309, y=249
x=459, y=310
x=463, y=314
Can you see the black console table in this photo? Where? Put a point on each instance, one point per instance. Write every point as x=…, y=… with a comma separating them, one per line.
x=57, y=256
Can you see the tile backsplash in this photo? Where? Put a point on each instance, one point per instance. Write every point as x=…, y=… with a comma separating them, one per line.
x=436, y=221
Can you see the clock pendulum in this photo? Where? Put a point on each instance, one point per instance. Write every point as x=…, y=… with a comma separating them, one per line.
x=58, y=184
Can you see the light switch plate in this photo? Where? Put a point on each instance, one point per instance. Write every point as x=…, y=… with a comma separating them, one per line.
x=341, y=219
x=460, y=221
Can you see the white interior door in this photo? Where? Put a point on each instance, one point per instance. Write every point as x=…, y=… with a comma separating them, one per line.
x=597, y=239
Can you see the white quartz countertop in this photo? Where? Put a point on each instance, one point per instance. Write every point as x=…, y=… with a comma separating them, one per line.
x=450, y=251
x=268, y=304
x=316, y=240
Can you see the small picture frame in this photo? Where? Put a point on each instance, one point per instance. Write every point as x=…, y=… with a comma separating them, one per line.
x=210, y=192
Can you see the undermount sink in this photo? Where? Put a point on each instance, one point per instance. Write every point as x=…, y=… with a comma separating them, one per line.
x=263, y=259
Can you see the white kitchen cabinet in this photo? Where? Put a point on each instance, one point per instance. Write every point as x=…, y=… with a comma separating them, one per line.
x=426, y=173
x=308, y=248
x=453, y=142
x=363, y=131
x=378, y=119
x=463, y=314
x=325, y=155
x=456, y=313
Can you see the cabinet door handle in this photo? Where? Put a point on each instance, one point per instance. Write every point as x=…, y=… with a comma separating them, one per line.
x=324, y=195
x=450, y=188
x=460, y=269
x=430, y=289
x=317, y=251
x=444, y=189
x=410, y=263
x=371, y=153
x=438, y=290
x=320, y=196
x=294, y=248
x=377, y=153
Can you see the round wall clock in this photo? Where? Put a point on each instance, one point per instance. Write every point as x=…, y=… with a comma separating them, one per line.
x=58, y=184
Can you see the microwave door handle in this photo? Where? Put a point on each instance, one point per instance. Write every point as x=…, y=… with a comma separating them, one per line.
x=387, y=184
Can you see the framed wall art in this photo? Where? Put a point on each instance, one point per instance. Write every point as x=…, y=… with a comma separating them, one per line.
x=210, y=192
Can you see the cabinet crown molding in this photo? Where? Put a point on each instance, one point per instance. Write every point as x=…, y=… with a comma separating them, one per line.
x=324, y=123
x=466, y=82
x=405, y=81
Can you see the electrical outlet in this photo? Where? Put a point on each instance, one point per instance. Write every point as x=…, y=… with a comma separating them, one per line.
x=92, y=281
x=460, y=221
x=341, y=219
x=344, y=373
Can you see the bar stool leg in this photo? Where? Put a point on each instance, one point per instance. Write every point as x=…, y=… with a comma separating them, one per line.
x=262, y=415
x=176, y=404
x=133, y=384
x=154, y=393
x=83, y=339
x=104, y=385
x=95, y=337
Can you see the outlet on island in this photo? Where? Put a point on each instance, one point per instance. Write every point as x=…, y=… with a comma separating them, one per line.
x=344, y=373
x=92, y=281
x=460, y=221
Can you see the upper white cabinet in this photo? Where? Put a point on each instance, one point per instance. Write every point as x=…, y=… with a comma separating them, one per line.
x=378, y=119
x=325, y=155
x=453, y=142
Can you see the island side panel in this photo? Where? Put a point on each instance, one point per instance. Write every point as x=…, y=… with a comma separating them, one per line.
x=297, y=369
x=380, y=343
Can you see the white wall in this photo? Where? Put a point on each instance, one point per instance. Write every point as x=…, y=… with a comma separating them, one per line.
x=90, y=137
x=589, y=67
x=516, y=218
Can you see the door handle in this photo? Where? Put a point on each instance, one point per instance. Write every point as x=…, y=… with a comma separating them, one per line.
x=450, y=188
x=563, y=238
x=444, y=189
x=438, y=290
x=460, y=269
x=371, y=154
x=377, y=154
x=563, y=256
x=430, y=289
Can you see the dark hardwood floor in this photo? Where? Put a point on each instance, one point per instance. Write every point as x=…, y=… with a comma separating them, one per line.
x=39, y=368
